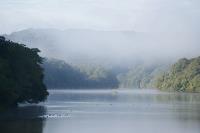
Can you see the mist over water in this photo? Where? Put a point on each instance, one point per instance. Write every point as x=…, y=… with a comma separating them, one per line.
x=134, y=40
x=88, y=111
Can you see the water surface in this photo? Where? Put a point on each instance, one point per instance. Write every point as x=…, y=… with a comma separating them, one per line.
x=107, y=111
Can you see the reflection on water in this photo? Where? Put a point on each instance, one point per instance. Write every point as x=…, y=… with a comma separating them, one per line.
x=109, y=111
x=23, y=120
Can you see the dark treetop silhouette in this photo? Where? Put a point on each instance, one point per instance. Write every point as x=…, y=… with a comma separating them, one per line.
x=21, y=74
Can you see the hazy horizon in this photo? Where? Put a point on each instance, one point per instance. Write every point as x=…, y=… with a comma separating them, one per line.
x=111, y=30
x=140, y=16
x=118, y=47
x=100, y=66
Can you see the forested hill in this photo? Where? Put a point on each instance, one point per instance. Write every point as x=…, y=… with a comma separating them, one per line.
x=59, y=74
x=142, y=75
x=183, y=76
x=21, y=76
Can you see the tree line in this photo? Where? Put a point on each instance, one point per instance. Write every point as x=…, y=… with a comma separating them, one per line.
x=59, y=74
x=183, y=76
x=24, y=75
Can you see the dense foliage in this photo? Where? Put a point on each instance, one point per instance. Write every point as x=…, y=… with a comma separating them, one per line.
x=183, y=76
x=59, y=74
x=141, y=76
x=21, y=76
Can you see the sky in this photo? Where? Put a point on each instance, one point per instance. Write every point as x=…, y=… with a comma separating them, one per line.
x=133, y=15
x=163, y=28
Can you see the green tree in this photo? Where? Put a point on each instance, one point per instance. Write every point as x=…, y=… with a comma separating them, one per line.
x=21, y=74
x=183, y=76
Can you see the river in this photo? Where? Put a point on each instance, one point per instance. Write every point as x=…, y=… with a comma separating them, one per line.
x=107, y=111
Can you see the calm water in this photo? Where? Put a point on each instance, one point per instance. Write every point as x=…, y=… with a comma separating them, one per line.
x=107, y=111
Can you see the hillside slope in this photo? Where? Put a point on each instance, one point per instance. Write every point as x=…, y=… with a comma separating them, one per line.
x=183, y=76
x=59, y=74
x=142, y=75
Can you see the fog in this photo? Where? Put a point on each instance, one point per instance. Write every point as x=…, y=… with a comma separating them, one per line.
x=109, y=47
x=105, y=30
x=137, y=15
x=102, y=59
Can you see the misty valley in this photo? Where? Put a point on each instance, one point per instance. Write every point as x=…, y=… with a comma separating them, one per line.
x=90, y=61
x=99, y=66
x=54, y=81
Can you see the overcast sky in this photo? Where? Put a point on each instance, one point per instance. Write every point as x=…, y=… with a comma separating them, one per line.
x=136, y=15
